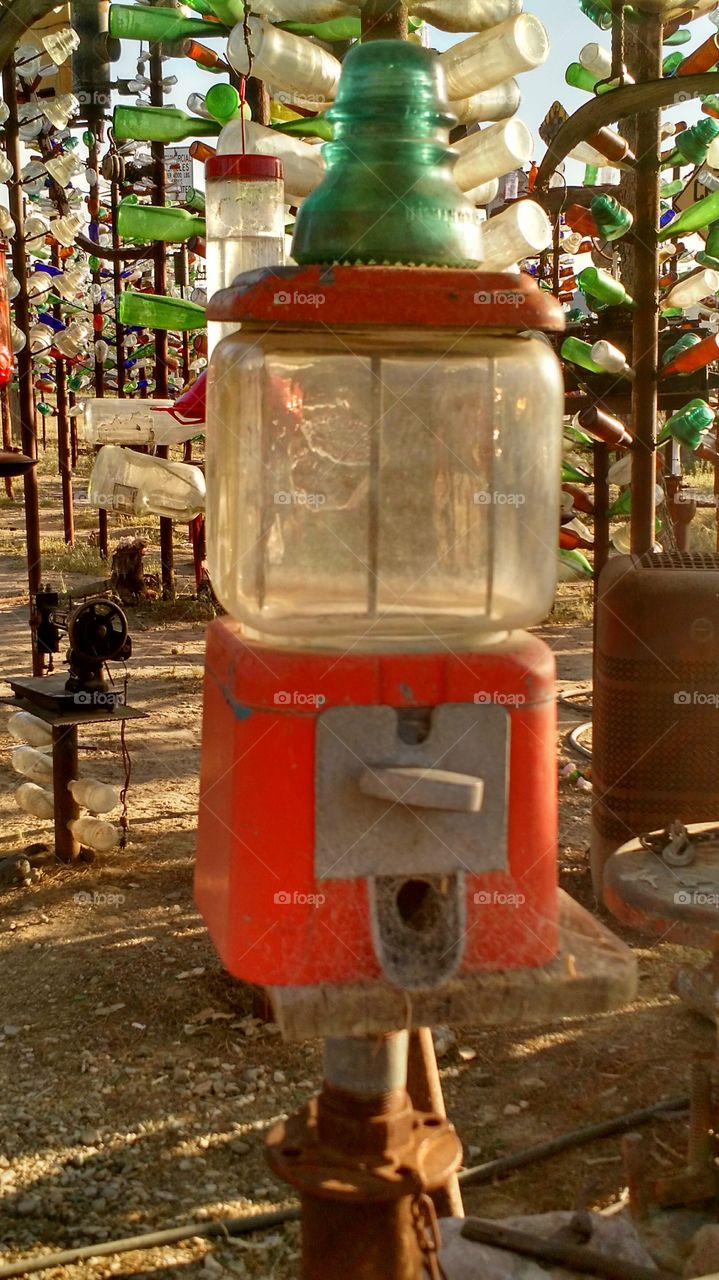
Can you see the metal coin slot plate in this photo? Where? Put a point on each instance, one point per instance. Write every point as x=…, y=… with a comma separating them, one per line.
x=359, y=835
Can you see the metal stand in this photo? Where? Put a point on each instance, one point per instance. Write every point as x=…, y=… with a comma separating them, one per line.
x=167, y=554
x=364, y=1162
x=35, y=695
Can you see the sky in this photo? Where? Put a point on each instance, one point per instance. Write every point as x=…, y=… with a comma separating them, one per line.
x=568, y=31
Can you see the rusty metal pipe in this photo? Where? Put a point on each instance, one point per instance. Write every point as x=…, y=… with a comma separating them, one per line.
x=646, y=293
x=167, y=554
x=26, y=397
x=425, y=1090
x=64, y=770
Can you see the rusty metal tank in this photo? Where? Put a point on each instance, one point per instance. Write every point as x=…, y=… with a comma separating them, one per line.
x=656, y=698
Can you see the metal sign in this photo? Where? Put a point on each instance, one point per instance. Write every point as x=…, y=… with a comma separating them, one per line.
x=552, y=123
x=178, y=169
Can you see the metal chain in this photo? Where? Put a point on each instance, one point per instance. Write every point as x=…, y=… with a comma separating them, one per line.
x=424, y=1217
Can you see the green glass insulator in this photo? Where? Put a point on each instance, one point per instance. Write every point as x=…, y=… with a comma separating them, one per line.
x=612, y=219
x=389, y=194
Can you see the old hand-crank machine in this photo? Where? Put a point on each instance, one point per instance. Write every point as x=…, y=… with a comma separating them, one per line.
x=378, y=827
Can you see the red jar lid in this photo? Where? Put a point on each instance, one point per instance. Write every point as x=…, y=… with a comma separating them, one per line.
x=250, y=168
x=387, y=297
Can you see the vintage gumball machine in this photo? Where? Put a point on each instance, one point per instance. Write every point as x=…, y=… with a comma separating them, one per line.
x=378, y=830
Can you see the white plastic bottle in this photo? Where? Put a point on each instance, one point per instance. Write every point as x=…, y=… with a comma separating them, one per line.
x=95, y=833
x=96, y=796
x=25, y=727
x=133, y=483
x=492, y=152
x=691, y=290
x=521, y=231
x=498, y=103
x=465, y=15
x=304, y=10
x=35, y=800
x=31, y=763
x=302, y=162
x=484, y=60
x=284, y=59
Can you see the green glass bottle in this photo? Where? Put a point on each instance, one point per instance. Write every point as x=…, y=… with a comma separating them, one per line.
x=672, y=63
x=612, y=219
x=700, y=215
x=622, y=506
x=591, y=175
x=575, y=437
x=597, y=13
x=140, y=22
x=160, y=124
x=710, y=105
x=682, y=36
x=580, y=78
x=575, y=475
x=195, y=199
x=223, y=102
x=579, y=352
x=709, y=256
x=692, y=144
x=597, y=283
x=389, y=194
x=684, y=343
x=670, y=189
x=156, y=312
x=307, y=127
x=145, y=223
x=688, y=425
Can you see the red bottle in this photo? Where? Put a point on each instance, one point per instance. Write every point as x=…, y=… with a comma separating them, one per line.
x=581, y=220
x=697, y=357
x=6, y=357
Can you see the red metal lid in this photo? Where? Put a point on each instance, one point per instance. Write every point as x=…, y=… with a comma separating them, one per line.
x=249, y=168
x=345, y=297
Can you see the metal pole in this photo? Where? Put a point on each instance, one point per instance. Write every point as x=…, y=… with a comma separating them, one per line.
x=384, y=20
x=94, y=125
x=646, y=290
x=64, y=770
x=63, y=432
x=7, y=432
x=425, y=1089
x=158, y=157
x=26, y=398
x=117, y=282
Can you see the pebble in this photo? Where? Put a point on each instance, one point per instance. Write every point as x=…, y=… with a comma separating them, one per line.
x=211, y=1266
x=27, y=1205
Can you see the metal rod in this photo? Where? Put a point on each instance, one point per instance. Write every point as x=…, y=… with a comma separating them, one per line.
x=425, y=1089
x=64, y=461
x=158, y=198
x=482, y=1173
x=64, y=770
x=26, y=399
x=575, y=1257
x=600, y=466
x=646, y=294
x=153, y=1239
x=384, y=20
x=98, y=371
x=6, y=432
x=117, y=285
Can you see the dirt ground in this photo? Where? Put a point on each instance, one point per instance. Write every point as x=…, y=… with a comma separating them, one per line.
x=137, y=1085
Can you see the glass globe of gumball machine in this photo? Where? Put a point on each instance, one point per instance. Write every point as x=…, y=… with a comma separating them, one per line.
x=377, y=825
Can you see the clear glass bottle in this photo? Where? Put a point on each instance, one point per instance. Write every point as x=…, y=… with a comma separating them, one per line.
x=465, y=15
x=521, y=231
x=245, y=215
x=95, y=833
x=284, y=60
x=691, y=290
x=519, y=44
x=35, y=800
x=96, y=796
x=492, y=153
x=302, y=163
x=23, y=726
x=498, y=103
x=137, y=483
